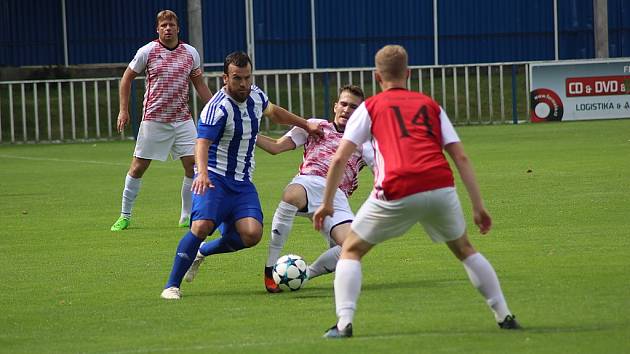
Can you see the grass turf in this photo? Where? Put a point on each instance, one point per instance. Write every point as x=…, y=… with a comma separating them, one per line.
x=559, y=195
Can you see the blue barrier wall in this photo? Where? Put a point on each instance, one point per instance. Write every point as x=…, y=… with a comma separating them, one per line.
x=499, y=31
x=348, y=33
x=116, y=28
x=282, y=29
x=224, y=29
x=32, y=37
x=619, y=28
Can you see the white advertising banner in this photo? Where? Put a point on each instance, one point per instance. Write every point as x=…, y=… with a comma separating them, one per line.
x=580, y=90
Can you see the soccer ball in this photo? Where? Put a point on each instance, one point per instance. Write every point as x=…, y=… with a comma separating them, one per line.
x=289, y=272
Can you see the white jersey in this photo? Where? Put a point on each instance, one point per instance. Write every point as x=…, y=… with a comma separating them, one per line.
x=168, y=72
x=318, y=153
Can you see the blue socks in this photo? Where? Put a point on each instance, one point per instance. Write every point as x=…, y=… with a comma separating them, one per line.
x=186, y=253
x=230, y=241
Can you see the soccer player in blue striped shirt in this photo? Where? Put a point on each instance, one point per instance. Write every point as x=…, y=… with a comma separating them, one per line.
x=223, y=192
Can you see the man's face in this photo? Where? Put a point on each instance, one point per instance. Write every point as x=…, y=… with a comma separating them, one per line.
x=168, y=30
x=238, y=81
x=344, y=107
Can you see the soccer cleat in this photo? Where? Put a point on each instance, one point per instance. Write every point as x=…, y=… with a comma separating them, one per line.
x=194, y=267
x=184, y=222
x=334, y=332
x=121, y=224
x=171, y=293
x=509, y=323
x=270, y=284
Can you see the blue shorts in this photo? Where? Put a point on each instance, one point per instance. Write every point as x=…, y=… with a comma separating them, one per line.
x=227, y=202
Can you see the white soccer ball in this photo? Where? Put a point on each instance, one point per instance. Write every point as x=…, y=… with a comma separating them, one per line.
x=289, y=272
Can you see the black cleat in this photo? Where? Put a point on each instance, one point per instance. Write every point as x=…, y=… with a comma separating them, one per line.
x=334, y=333
x=270, y=284
x=509, y=323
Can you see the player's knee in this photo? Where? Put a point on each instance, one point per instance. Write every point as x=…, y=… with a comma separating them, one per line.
x=339, y=232
x=201, y=228
x=251, y=238
x=136, y=172
x=295, y=195
x=354, y=248
x=461, y=248
x=138, y=167
x=188, y=164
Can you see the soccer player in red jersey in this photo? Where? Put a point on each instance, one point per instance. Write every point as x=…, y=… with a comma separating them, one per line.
x=413, y=183
x=167, y=125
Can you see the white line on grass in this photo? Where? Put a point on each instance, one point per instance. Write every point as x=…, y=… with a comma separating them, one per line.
x=71, y=161
x=313, y=340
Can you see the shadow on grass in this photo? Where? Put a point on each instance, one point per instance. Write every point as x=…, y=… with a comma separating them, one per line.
x=325, y=289
x=585, y=328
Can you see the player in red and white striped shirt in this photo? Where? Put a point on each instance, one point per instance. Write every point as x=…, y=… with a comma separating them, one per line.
x=413, y=183
x=167, y=125
x=303, y=195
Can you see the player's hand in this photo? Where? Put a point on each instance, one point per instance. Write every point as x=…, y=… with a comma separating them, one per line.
x=201, y=183
x=320, y=214
x=482, y=220
x=123, y=120
x=314, y=129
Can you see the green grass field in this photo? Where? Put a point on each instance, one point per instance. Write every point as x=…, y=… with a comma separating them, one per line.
x=560, y=245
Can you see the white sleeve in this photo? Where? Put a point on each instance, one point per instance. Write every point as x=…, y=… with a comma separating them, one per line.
x=195, y=54
x=139, y=62
x=299, y=135
x=359, y=126
x=449, y=135
x=367, y=154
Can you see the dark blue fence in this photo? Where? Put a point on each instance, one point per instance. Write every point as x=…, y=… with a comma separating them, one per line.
x=347, y=33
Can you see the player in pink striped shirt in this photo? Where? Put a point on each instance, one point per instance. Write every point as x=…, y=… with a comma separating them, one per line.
x=167, y=126
x=304, y=193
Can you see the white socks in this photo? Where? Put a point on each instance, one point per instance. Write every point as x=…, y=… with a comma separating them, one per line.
x=132, y=187
x=325, y=263
x=348, y=287
x=280, y=228
x=483, y=277
x=347, y=290
x=186, y=199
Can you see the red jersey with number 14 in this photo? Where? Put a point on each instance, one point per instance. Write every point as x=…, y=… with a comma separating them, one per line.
x=408, y=130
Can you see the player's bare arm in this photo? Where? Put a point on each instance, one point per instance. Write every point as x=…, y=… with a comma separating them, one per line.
x=464, y=167
x=202, y=89
x=282, y=116
x=123, y=98
x=201, y=182
x=275, y=146
x=335, y=174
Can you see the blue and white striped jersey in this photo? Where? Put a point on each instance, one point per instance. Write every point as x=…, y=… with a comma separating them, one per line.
x=232, y=127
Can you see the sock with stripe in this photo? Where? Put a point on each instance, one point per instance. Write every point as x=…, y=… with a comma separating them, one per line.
x=185, y=255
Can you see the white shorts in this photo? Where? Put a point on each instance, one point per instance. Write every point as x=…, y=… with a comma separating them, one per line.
x=438, y=211
x=315, y=186
x=156, y=140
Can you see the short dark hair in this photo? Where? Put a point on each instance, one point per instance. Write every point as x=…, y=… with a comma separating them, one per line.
x=353, y=89
x=240, y=59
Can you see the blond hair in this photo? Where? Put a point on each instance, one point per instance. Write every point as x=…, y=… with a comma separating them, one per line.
x=391, y=62
x=166, y=15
